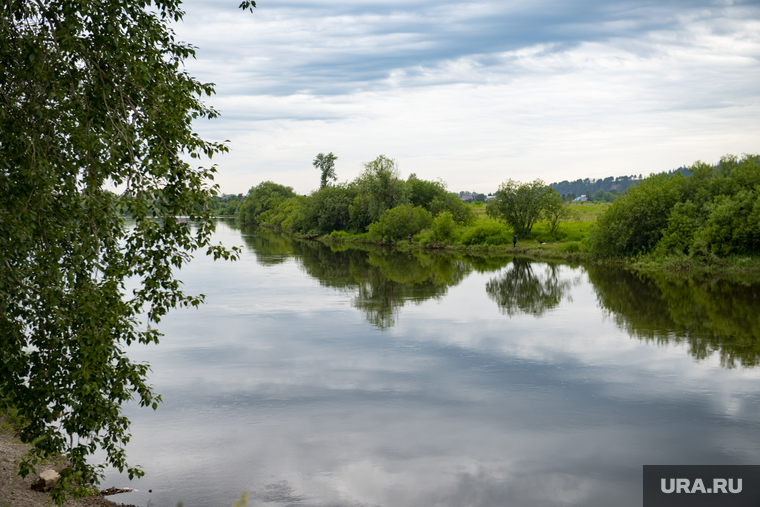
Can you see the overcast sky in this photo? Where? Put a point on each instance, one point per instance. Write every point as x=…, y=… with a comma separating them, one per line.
x=475, y=93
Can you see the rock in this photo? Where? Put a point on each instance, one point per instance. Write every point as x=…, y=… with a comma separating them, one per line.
x=47, y=480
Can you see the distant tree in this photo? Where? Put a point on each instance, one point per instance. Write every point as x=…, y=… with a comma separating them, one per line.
x=520, y=205
x=461, y=212
x=423, y=192
x=555, y=210
x=380, y=188
x=263, y=197
x=326, y=164
x=325, y=210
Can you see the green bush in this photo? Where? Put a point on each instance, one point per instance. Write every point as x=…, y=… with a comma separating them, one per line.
x=460, y=212
x=422, y=192
x=263, y=197
x=444, y=227
x=733, y=224
x=634, y=222
x=397, y=223
x=487, y=232
x=716, y=210
x=679, y=234
x=281, y=216
x=326, y=210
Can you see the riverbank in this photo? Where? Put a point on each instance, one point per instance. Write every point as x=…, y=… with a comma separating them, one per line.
x=18, y=492
x=489, y=237
x=741, y=269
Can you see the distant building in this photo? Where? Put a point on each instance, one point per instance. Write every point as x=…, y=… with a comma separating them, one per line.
x=581, y=198
x=467, y=198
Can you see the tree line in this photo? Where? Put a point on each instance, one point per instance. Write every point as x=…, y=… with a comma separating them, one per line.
x=383, y=205
x=592, y=187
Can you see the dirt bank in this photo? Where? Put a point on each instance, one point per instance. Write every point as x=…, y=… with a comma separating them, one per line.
x=17, y=492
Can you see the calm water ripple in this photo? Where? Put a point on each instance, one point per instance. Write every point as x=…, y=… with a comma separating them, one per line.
x=374, y=378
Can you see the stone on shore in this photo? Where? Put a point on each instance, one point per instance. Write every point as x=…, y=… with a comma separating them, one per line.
x=47, y=480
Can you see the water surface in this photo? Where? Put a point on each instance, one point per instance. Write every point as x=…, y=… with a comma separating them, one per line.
x=378, y=378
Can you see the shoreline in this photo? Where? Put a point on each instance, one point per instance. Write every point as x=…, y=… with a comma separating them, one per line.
x=742, y=269
x=18, y=492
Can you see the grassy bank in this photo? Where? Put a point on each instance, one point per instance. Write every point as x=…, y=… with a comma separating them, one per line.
x=488, y=237
x=485, y=236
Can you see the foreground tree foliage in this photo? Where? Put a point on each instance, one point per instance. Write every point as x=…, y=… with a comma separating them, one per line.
x=93, y=94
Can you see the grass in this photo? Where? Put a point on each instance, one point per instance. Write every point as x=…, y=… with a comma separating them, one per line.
x=489, y=237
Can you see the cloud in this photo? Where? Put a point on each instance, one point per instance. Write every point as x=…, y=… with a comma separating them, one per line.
x=463, y=90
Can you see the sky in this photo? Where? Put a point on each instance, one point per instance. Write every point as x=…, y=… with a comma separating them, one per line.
x=475, y=93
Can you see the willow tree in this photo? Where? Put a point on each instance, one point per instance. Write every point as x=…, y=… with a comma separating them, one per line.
x=93, y=96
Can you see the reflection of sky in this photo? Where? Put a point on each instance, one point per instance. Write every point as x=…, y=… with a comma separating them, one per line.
x=279, y=387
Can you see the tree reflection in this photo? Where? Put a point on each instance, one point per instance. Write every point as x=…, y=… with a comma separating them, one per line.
x=520, y=289
x=382, y=281
x=271, y=248
x=707, y=316
x=391, y=279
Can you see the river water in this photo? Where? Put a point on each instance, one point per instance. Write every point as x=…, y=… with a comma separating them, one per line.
x=314, y=377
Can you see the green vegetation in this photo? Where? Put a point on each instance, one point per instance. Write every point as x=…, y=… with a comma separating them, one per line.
x=707, y=221
x=92, y=95
x=401, y=221
x=604, y=190
x=713, y=212
x=262, y=198
x=521, y=205
x=326, y=164
x=228, y=205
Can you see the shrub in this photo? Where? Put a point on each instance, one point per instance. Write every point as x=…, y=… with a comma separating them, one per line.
x=715, y=210
x=281, y=216
x=634, y=223
x=679, y=234
x=263, y=197
x=460, y=212
x=422, y=192
x=444, y=227
x=487, y=232
x=733, y=224
x=397, y=223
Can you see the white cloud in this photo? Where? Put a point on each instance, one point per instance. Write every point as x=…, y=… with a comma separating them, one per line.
x=478, y=93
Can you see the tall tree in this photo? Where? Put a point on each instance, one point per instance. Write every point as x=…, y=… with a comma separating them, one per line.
x=326, y=164
x=93, y=94
x=380, y=188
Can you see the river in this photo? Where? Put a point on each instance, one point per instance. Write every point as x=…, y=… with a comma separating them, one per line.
x=319, y=377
